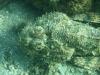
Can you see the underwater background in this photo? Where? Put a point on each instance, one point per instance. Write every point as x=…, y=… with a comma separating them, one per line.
x=49, y=37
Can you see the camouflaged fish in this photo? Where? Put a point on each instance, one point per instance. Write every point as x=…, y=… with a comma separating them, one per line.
x=55, y=37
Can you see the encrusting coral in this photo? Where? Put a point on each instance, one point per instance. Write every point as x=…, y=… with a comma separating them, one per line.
x=54, y=37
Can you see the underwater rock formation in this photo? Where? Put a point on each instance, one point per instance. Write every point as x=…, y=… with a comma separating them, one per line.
x=54, y=37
